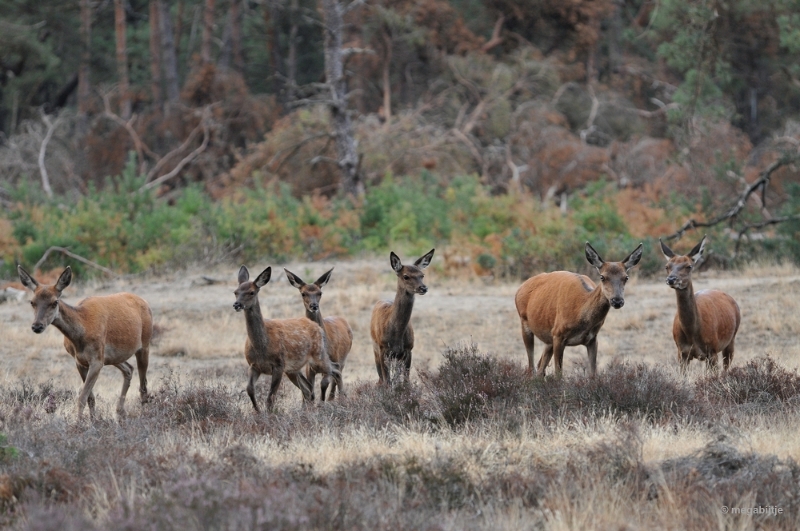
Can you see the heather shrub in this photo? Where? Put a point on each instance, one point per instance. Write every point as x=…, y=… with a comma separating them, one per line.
x=760, y=381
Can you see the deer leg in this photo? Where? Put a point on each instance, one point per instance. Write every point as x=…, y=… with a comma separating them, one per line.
x=407, y=365
x=591, y=350
x=380, y=364
x=88, y=384
x=301, y=382
x=683, y=359
x=127, y=374
x=142, y=360
x=558, y=355
x=711, y=362
x=277, y=376
x=311, y=376
x=544, y=361
x=527, y=339
x=82, y=371
x=727, y=357
x=251, y=386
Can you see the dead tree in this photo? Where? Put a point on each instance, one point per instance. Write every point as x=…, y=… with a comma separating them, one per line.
x=731, y=215
x=347, y=157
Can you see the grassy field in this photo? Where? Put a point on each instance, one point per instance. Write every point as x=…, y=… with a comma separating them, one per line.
x=471, y=443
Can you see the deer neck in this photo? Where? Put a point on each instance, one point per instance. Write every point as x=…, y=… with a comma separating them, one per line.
x=687, y=310
x=596, y=306
x=255, y=327
x=70, y=322
x=315, y=316
x=401, y=310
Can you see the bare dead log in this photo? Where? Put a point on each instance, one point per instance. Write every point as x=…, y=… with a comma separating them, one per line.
x=51, y=127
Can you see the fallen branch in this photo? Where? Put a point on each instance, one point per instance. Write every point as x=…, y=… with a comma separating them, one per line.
x=166, y=158
x=67, y=252
x=140, y=147
x=496, y=39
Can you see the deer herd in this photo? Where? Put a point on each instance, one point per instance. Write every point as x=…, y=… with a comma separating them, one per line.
x=560, y=309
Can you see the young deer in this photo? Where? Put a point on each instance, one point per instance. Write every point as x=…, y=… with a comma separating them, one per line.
x=99, y=331
x=566, y=309
x=338, y=335
x=706, y=321
x=278, y=346
x=392, y=334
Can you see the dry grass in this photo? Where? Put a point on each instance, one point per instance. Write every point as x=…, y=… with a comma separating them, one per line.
x=471, y=444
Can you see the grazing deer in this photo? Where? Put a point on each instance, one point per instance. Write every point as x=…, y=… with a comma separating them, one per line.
x=706, y=321
x=99, y=331
x=338, y=334
x=565, y=309
x=392, y=334
x=278, y=346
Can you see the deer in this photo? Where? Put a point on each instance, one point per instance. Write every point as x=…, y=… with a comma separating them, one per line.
x=338, y=334
x=707, y=320
x=98, y=331
x=565, y=309
x=390, y=327
x=278, y=346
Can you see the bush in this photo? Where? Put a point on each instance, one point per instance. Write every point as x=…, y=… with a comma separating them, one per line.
x=760, y=381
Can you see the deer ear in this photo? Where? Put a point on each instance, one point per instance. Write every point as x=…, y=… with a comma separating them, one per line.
x=64, y=280
x=666, y=250
x=425, y=261
x=395, y=261
x=27, y=280
x=633, y=258
x=321, y=281
x=593, y=257
x=263, y=278
x=244, y=275
x=697, y=253
x=294, y=280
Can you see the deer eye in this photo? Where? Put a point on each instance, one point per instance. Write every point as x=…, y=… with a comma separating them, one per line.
x=33, y=304
x=405, y=277
x=54, y=304
x=626, y=278
x=602, y=278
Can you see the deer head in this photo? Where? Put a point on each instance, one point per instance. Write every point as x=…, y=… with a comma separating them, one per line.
x=613, y=275
x=45, y=298
x=312, y=293
x=411, y=277
x=247, y=292
x=679, y=267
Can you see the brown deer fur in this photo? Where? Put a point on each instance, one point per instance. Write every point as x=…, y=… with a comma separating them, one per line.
x=98, y=331
x=338, y=334
x=278, y=346
x=391, y=331
x=566, y=309
x=706, y=321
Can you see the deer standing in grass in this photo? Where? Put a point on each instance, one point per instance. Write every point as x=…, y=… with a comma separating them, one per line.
x=707, y=320
x=565, y=309
x=391, y=331
x=278, y=346
x=338, y=334
x=99, y=331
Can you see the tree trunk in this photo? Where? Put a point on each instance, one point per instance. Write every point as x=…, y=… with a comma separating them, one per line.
x=179, y=28
x=84, y=87
x=271, y=21
x=236, y=35
x=208, y=26
x=347, y=156
x=122, y=60
x=170, y=62
x=155, y=53
x=292, y=67
x=614, y=36
x=387, y=80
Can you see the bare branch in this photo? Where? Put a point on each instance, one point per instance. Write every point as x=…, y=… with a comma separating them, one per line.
x=166, y=158
x=64, y=250
x=347, y=52
x=51, y=127
x=760, y=225
x=140, y=146
x=186, y=160
x=496, y=39
x=353, y=5
x=759, y=184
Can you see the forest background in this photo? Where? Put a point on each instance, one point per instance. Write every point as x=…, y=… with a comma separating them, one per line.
x=143, y=135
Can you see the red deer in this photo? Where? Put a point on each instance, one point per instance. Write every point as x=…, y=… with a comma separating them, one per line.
x=392, y=334
x=338, y=335
x=278, y=346
x=565, y=309
x=99, y=331
x=707, y=320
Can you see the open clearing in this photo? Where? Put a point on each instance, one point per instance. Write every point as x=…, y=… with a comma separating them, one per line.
x=344, y=466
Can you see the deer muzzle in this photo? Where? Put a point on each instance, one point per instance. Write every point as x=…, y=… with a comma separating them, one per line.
x=617, y=302
x=238, y=306
x=38, y=328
